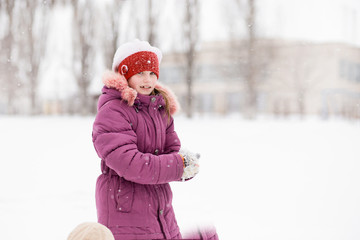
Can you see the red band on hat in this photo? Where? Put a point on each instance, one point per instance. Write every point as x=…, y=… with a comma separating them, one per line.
x=139, y=62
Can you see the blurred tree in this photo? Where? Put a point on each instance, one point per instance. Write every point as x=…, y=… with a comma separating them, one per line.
x=33, y=50
x=247, y=8
x=84, y=37
x=112, y=36
x=151, y=23
x=191, y=37
x=252, y=55
x=9, y=68
x=250, y=74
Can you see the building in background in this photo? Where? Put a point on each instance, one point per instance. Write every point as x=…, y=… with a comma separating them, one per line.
x=293, y=78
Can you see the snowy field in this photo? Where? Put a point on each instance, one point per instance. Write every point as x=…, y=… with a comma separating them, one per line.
x=266, y=179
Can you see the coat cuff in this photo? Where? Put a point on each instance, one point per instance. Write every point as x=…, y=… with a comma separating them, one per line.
x=172, y=168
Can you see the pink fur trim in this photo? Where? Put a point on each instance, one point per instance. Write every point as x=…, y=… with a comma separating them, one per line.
x=117, y=81
x=129, y=94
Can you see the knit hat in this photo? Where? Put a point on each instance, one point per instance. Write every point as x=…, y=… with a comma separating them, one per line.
x=91, y=231
x=136, y=56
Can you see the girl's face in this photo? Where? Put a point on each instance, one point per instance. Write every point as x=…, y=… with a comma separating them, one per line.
x=143, y=82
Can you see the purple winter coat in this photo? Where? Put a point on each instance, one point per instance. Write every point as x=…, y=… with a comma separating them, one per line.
x=138, y=148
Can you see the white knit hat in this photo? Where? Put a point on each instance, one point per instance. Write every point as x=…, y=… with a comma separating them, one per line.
x=130, y=48
x=91, y=231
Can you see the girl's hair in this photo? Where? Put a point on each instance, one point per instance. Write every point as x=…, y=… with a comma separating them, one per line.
x=166, y=98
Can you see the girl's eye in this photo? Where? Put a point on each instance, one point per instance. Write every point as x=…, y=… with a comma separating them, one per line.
x=152, y=73
x=140, y=73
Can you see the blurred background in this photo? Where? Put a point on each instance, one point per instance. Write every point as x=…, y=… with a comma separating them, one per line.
x=270, y=96
x=248, y=57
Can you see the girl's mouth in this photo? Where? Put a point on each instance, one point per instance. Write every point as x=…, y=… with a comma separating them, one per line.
x=146, y=87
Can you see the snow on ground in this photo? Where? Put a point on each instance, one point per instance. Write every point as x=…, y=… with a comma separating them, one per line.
x=263, y=179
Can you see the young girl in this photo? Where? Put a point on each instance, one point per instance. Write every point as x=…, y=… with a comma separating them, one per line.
x=134, y=135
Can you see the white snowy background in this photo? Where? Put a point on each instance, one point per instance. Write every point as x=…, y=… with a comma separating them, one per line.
x=263, y=179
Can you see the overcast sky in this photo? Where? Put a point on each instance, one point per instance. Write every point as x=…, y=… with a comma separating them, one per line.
x=315, y=20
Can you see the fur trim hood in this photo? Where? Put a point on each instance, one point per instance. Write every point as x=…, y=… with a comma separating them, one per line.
x=117, y=81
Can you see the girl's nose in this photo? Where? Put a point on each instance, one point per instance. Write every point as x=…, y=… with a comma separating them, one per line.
x=147, y=77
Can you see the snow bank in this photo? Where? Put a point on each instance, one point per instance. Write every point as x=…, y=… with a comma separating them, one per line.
x=267, y=179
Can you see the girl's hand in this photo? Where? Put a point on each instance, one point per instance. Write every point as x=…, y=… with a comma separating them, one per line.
x=191, y=163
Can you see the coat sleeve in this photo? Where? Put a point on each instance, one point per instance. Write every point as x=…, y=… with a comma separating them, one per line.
x=116, y=143
x=172, y=142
